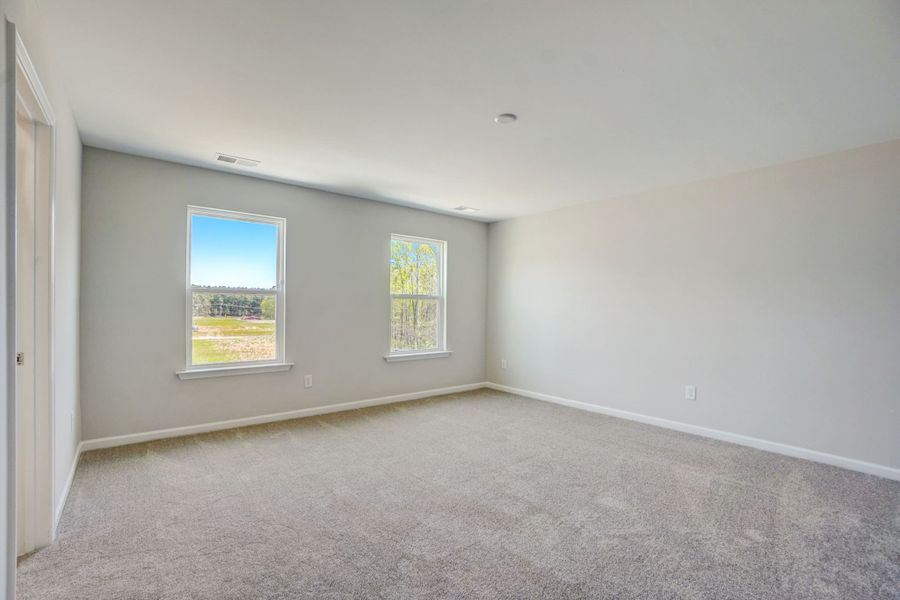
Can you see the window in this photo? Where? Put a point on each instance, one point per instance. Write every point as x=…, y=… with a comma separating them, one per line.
x=418, y=295
x=235, y=295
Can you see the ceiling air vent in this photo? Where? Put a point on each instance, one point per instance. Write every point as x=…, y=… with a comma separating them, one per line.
x=236, y=160
x=466, y=209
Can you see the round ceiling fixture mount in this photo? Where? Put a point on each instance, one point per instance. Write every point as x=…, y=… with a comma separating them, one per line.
x=506, y=118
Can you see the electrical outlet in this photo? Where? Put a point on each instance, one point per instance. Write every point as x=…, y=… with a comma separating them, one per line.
x=307, y=381
x=690, y=392
x=502, y=363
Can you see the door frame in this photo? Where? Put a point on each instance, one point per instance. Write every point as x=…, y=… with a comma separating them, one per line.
x=41, y=530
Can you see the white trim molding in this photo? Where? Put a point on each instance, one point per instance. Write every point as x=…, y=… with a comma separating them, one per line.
x=159, y=434
x=199, y=373
x=31, y=96
x=24, y=60
x=401, y=357
x=724, y=436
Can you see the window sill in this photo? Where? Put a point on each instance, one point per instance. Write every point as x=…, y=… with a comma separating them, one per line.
x=417, y=356
x=234, y=370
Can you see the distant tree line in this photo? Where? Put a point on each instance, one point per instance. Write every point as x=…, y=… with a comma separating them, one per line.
x=233, y=305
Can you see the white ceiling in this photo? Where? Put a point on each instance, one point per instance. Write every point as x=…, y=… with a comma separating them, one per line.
x=394, y=99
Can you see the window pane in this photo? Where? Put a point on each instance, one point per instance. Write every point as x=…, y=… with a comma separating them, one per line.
x=233, y=254
x=401, y=267
x=414, y=324
x=428, y=275
x=415, y=267
x=232, y=327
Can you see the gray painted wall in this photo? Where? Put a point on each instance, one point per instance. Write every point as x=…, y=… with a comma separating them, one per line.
x=133, y=282
x=776, y=292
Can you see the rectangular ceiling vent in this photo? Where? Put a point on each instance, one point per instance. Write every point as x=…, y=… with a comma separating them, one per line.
x=236, y=160
x=466, y=209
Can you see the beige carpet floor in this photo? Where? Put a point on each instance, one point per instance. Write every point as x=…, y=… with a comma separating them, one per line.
x=477, y=495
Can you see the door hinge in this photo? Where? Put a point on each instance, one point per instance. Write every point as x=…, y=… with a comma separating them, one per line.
x=20, y=359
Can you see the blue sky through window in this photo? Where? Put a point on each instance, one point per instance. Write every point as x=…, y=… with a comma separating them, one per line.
x=231, y=253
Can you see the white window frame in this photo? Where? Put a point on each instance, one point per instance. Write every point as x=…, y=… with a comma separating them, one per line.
x=192, y=371
x=441, y=351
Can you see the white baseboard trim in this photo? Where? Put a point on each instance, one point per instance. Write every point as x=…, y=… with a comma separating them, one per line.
x=725, y=436
x=136, y=438
x=57, y=513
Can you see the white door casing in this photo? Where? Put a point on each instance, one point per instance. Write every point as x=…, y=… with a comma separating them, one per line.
x=33, y=225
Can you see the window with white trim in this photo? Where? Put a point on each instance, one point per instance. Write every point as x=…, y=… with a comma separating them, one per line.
x=418, y=295
x=235, y=289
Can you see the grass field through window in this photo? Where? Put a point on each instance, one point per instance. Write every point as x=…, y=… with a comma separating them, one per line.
x=232, y=339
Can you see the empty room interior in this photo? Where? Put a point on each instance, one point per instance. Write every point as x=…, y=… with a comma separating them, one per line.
x=495, y=299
